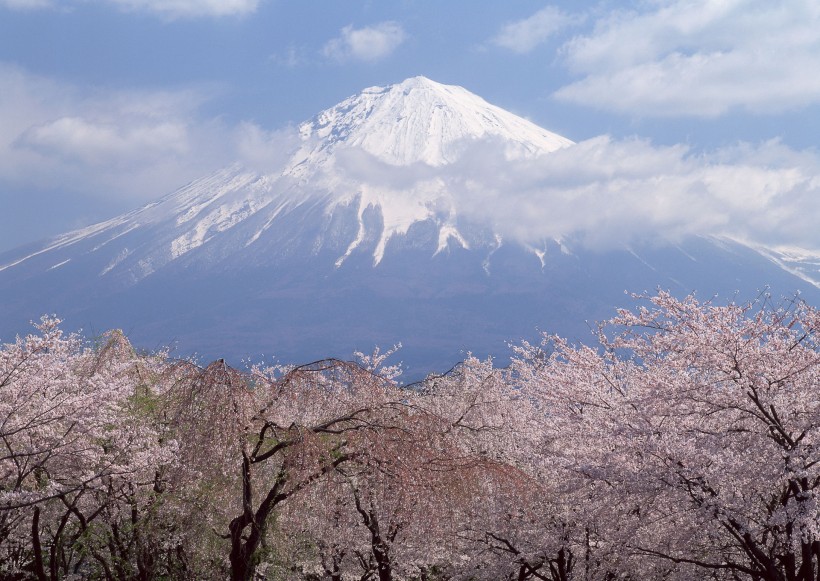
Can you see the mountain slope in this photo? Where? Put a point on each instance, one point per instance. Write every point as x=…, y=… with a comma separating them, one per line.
x=358, y=239
x=407, y=127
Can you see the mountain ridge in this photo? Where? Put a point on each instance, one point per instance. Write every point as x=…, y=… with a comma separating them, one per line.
x=358, y=240
x=400, y=125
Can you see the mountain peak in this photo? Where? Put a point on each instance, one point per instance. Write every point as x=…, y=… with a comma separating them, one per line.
x=417, y=82
x=329, y=182
x=420, y=120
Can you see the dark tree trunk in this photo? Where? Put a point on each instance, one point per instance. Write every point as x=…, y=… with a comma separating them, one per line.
x=382, y=554
x=39, y=567
x=379, y=546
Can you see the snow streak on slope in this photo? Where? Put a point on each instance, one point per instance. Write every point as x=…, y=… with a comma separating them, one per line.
x=70, y=238
x=160, y=226
x=803, y=263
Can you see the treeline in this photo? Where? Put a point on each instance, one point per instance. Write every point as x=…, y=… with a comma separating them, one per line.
x=684, y=445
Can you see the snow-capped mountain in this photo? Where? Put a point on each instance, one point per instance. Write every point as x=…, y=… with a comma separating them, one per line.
x=359, y=239
x=406, y=127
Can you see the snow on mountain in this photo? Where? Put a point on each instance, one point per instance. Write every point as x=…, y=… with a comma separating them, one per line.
x=415, y=121
x=359, y=240
x=363, y=173
x=412, y=124
x=801, y=262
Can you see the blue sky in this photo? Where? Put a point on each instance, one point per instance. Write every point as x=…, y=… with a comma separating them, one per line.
x=108, y=104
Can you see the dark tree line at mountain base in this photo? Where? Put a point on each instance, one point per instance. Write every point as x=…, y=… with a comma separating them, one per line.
x=683, y=445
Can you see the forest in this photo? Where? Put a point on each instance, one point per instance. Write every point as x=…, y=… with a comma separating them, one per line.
x=681, y=443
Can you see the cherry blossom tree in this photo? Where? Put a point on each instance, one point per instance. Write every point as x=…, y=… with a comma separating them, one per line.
x=698, y=425
x=396, y=509
x=77, y=453
x=286, y=430
x=682, y=444
x=529, y=517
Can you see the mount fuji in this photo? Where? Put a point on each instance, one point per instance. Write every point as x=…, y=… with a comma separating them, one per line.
x=363, y=237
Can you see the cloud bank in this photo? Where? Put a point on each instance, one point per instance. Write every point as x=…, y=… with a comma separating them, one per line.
x=132, y=145
x=698, y=58
x=606, y=192
x=612, y=192
x=368, y=44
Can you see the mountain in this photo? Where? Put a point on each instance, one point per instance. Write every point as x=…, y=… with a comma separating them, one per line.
x=349, y=161
x=363, y=237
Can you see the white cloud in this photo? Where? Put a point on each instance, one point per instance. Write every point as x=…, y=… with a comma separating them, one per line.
x=164, y=8
x=264, y=150
x=129, y=145
x=102, y=143
x=25, y=4
x=524, y=35
x=605, y=192
x=370, y=44
x=699, y=58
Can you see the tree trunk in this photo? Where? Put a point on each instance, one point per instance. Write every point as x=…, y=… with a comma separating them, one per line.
x=382, y=554
x=39, y=568
x=242, y=550
x=241, y=555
